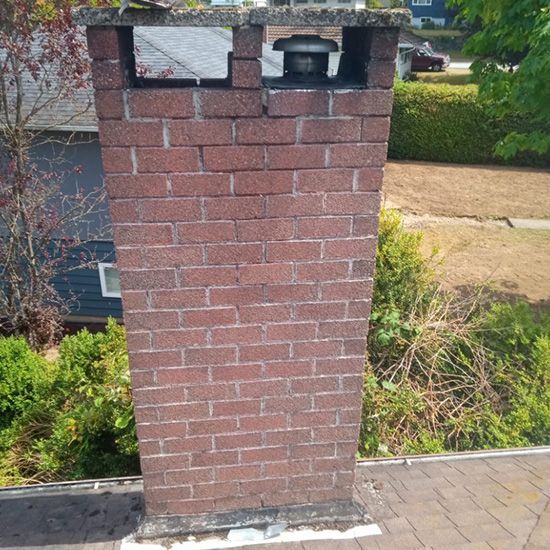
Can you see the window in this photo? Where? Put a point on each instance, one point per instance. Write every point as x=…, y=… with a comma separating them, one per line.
x=301, y=1
x=421, y=2
x=344, y=1
x=109, y=280
x=425, y=19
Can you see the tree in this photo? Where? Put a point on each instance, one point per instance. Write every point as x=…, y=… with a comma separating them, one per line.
x=512, y=47
x=43, y=62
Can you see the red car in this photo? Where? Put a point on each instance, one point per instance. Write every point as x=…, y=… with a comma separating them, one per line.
x=425, y=59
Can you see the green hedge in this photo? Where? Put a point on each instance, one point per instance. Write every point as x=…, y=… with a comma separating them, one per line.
x=443, y=123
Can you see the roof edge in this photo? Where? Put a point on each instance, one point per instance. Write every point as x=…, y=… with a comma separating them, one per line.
x=299, y=17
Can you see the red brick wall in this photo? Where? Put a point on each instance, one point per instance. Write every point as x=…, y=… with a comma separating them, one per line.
x=245, y=225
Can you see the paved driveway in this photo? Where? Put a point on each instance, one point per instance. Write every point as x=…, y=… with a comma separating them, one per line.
x=477, y=503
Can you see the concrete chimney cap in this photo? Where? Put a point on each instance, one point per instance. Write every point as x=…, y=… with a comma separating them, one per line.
x=236, y=17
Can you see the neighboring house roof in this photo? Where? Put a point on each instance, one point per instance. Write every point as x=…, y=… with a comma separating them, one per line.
x=192, y=52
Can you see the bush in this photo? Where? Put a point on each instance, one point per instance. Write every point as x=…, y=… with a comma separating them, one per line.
x=444, y=372
x=84, y=427
x=25, y=378
x=443, y=123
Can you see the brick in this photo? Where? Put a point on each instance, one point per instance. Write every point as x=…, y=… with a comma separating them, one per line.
x=125, y=187
x=369, y=179
x=291, y=293
x=108, y=74
x=185, y=410
x=346, y=365
x=246, y=73
x=308, y=350
x=133, y=301
x=161, y=103
x=375, y=129
x=343, y=329
x=295, y=156
x=266, y=131
x=365, y=226
x=238, y=473
x=381, y=73
x=230, y=158
x=235, y=408
x=307, y=419
x=293, y=251
x=345, y=290
x=233, y=373
x=175, y=159
x=350, y=248
x=287, y=469
x=150, y=320
x=294, y=205
x=359, y=309
x=117, y=133
x=288, y=369
x=265, y=273
x=116, y=160
x=262, y=423
x=210, y=356
x=295, y=103
x=263, y=313
x=213, y=426
x=320, y=311
x=236, y=335
x=102, y=42
x=357, y=155
x=247, y=41
x=264, y=454
x=330, y=130
x=138, y=340
x=362, y=102
x=154, y=360
x=234, y=208
x=227, y=253
x=173, y=256
x=263, y=388
x=214, y=317
x=162, y=463
x=184, y=507
x=206, y=232
x=219, y=103
x=209, y=276
x=136, y=234
x=211, y=392
x=352, y=203
x=322, y=271
x=262, y=230
x=324, y=227
x=263, y=183
x=108, y=104
x=335, y=433
x=383, y=43
x=312, y=450
x=170, y=210
x=264, y=486
x=195, y=475
x=237, y=295
x=316, y=181
x=291, y=332
x=309, y=385
x=148, y=279
x=175, y=339
x=200, y=132
x=288, y=437
x=124, y=211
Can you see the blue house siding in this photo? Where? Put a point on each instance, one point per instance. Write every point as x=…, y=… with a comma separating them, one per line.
x=82, y=288
x=437, y=11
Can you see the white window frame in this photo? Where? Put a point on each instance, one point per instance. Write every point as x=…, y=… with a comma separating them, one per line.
x=421, y=2
x=101, y=266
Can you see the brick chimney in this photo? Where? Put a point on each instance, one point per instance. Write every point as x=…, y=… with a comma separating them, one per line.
x=245, y=225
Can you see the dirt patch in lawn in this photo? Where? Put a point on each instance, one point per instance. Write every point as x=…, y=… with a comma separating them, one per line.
x=514, y=262
x=466, y=190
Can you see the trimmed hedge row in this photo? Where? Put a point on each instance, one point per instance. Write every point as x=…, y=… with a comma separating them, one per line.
x=443, y=123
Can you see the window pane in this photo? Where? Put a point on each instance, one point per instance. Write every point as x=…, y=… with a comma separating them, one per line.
x=112, y=280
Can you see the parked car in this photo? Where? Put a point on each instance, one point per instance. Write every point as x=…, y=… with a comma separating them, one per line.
x=425, y=59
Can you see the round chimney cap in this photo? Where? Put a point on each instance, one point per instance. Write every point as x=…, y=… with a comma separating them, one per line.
x=305, y=43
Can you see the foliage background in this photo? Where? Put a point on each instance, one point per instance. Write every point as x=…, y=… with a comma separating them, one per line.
x=444, y=123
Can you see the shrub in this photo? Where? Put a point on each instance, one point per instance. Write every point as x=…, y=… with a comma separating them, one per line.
x=24, y=379
x=444, y=372
x=85, y=427
x=443, y=123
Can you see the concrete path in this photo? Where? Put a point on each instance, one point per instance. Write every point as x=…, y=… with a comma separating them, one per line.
x=492, y=503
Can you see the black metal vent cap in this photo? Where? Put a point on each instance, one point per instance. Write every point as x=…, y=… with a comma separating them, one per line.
x=305, y=43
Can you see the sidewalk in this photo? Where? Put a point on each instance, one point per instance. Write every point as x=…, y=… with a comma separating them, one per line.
x=493, y=503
